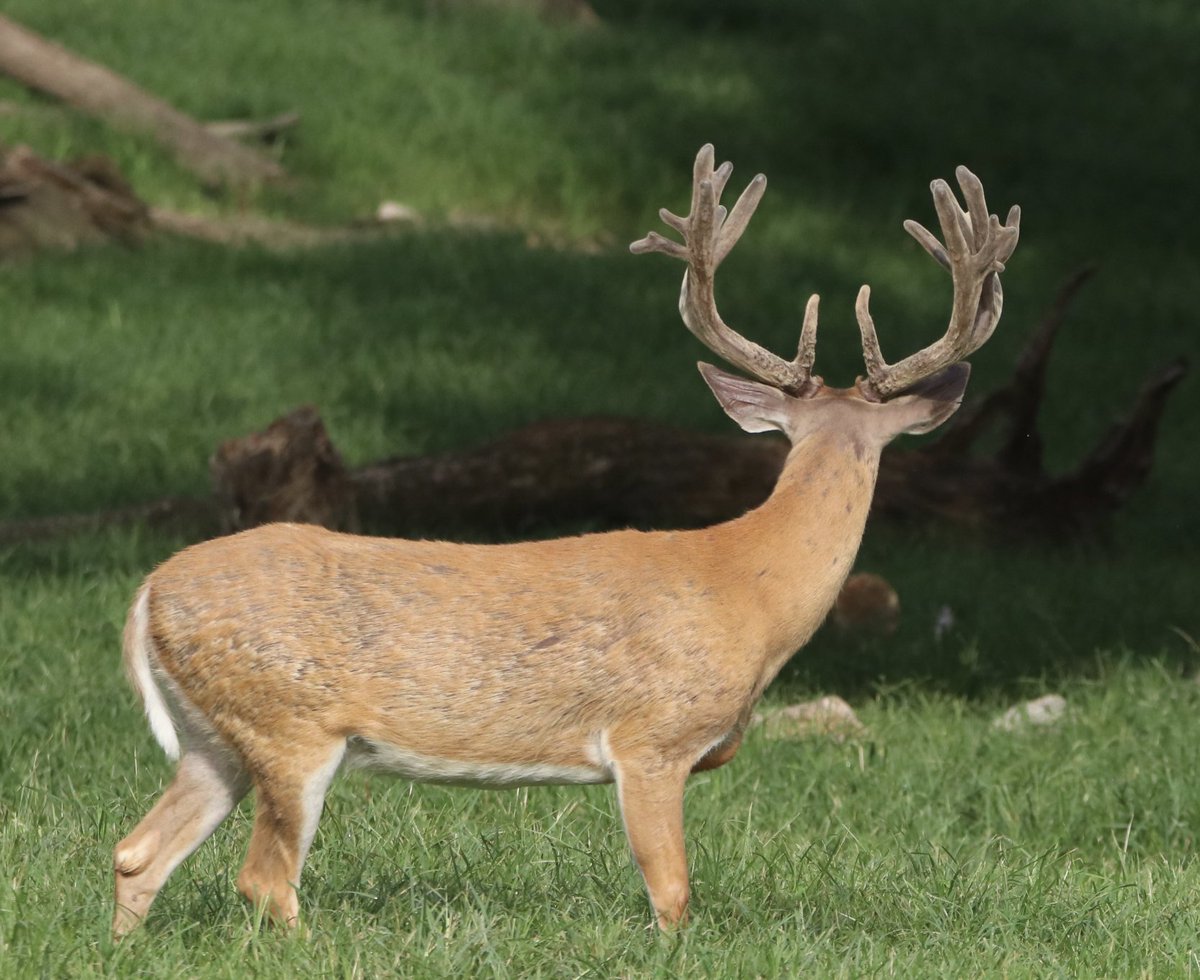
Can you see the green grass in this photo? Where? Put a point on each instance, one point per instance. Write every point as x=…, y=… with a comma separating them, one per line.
x=935, y=846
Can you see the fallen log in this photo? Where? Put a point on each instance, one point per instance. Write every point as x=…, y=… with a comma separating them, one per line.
x=595, y=473
x=47, y=204
x=44, y=204
x=614, y=472
x=41, y=64
x=1009, y=490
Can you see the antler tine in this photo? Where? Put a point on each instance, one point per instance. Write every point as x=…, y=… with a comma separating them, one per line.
x=739, y=218
x=976, y=248
x=806, y=353
x=709, y=233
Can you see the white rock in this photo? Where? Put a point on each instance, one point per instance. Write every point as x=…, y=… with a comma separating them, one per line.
x=395, y=211
x=943, y=622
x=1039, y=712
x=829, y=716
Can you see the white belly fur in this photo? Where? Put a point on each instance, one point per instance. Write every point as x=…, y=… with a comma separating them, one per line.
x=363, y=753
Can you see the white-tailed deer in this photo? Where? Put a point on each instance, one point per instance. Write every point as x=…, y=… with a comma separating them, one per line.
x=273, y=657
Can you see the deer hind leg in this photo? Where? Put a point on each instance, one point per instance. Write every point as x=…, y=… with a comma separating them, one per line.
x=289, y=798
x=651, y=801
x=208, y=784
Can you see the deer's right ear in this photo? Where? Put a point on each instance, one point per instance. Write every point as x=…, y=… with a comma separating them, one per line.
x=755, y=407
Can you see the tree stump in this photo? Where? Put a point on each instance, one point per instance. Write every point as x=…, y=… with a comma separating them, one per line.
x=288, y=472
x=44, y=204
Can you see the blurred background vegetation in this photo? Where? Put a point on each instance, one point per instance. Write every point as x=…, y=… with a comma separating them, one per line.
x=535, y=148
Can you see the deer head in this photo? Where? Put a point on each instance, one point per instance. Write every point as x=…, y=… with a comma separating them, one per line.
x=914, y=395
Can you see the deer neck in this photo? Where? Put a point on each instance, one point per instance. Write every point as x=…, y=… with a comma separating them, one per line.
x=792, y=554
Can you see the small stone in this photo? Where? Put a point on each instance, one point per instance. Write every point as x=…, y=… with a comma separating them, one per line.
x=1038, y=713
x=867, y=604
x=395, y=211
x=829, y=716
x=943, y=622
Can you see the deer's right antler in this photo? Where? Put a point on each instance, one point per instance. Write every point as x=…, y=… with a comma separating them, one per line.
x=709, y=232
x=977, y=246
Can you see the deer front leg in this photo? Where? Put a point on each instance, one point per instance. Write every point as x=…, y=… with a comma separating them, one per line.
x=206, y=787
x=651, y=801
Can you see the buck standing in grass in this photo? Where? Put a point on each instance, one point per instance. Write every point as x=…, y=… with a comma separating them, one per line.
x=271, y=658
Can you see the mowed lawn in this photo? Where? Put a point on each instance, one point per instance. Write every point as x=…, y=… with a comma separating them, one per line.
x=932, y=845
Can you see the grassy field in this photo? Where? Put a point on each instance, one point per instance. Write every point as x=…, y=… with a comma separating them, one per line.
x=932, y=846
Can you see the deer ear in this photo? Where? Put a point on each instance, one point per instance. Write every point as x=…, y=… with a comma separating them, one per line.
x=931, y=401
x=755, y=407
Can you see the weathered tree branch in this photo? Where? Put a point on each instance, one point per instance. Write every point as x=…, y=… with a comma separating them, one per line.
x=1010, y=489
x=41, y=64
x=254, y=130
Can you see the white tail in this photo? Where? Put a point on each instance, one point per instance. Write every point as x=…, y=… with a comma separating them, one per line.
x=137, y=669
x=636, y=658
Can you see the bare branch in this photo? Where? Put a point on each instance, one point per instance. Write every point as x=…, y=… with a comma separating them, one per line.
x=41, y=64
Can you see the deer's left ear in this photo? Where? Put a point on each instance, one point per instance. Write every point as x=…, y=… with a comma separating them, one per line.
x=755, y=407
x=929, y=402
